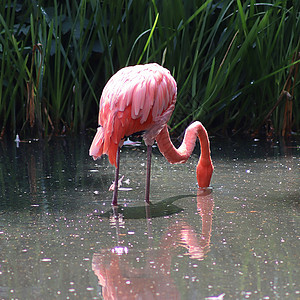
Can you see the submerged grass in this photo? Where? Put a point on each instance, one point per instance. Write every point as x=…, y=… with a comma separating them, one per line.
x=235, y=62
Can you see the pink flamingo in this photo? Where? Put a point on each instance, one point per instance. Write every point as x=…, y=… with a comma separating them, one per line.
x=142, y=98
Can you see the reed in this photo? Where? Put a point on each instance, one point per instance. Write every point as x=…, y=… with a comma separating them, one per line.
x=233, y=61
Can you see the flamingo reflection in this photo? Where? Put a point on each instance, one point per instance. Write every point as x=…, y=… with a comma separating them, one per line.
x=127, y=274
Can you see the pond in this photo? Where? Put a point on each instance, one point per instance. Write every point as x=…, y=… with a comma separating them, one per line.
x=60, y=239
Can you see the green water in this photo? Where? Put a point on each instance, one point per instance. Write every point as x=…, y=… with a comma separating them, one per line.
x=60, y=239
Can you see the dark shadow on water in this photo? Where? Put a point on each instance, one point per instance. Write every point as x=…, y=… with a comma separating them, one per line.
x=158, y=209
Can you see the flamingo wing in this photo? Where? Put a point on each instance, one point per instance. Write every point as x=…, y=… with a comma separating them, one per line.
x=136, y=98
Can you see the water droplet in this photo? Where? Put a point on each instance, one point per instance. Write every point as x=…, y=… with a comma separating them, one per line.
x=46, y=259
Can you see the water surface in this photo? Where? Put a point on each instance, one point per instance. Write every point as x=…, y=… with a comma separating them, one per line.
x=60, y=239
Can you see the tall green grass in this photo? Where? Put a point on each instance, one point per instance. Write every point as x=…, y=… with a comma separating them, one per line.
x=231, y=60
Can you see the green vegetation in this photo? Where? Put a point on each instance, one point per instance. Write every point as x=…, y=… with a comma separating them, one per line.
x=235, y=62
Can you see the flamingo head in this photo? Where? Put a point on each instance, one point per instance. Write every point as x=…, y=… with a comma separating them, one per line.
x=204, y=172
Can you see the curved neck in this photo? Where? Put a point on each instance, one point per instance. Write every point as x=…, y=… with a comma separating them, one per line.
x=181, y=155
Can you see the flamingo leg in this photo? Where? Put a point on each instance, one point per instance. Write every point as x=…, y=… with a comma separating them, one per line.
x=115, y=195
x=149, y=155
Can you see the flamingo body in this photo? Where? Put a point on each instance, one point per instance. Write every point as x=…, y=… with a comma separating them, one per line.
x=142, y=98
x=137, y=98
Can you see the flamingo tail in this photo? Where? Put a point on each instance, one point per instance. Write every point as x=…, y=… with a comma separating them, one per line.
x=205, y=167
x=96, y=149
